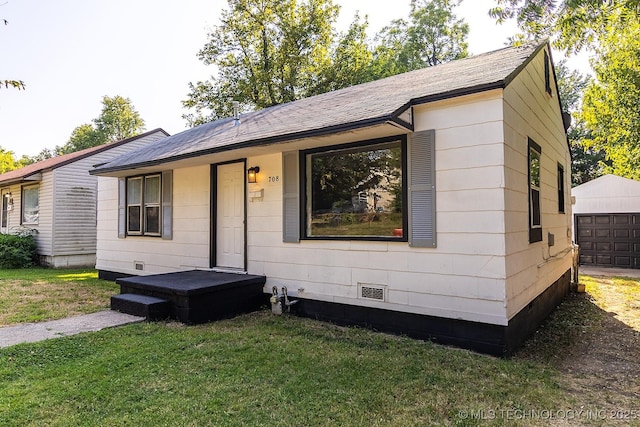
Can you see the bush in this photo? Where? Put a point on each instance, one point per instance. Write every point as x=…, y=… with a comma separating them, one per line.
x=18, y=251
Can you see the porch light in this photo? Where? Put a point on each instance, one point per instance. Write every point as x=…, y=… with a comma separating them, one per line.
x=252, y=174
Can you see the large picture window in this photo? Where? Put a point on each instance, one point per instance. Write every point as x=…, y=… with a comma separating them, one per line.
x=31, y=205
x=535, y=223
x=143, y=205
x=356, y=191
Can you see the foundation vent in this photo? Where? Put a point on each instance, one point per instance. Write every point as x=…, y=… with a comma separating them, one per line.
x=374, y=292
x=139, y=266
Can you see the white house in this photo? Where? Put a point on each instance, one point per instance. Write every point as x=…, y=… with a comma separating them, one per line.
x=469, y=244
x=57, y=199
x=607, y=222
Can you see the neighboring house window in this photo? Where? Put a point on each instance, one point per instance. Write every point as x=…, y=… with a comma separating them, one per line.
x=535, y=225
x=30, y=205
x=5, y=209
x=560, y=188
x=356, y=191
x=547, y=73
x=143, y=205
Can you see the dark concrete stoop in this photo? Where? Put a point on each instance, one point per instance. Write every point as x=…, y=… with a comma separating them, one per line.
x=153, y=308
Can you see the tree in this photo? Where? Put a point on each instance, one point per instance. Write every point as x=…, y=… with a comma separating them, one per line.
x=431, y=36
x=83, y=136
x=268, y=52
x=7, y=161
x=573, y=24
x=117, y=121
x=587, y=162
x=611, y=109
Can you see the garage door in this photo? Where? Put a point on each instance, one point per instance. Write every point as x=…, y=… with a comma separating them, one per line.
x=609, y=240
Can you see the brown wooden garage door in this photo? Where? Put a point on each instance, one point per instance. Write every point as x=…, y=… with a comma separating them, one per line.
x=609, y=240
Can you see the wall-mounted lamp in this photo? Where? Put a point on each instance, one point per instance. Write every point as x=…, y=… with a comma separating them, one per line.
x=252, y=174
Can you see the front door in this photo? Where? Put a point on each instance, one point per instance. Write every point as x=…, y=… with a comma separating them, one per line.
x=230, y=205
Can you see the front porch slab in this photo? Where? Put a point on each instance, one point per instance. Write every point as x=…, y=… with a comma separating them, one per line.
x=199, y=296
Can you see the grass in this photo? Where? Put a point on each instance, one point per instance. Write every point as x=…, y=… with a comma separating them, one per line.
x=39, y=294
x=260, y=369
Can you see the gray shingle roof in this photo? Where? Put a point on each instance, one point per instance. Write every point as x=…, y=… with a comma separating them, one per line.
x=350, y=108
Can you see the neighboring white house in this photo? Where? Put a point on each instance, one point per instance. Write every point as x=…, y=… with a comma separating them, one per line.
x=57, y=198
x=471, y=244
x=607, y=222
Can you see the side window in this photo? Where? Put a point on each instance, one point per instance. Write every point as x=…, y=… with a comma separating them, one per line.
x=560, y=188
x=535, y=224
x=30, y=205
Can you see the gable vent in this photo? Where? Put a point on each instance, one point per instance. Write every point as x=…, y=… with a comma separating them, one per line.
x=374, y=292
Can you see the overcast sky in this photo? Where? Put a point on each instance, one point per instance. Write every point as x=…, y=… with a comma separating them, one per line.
x=70, y=53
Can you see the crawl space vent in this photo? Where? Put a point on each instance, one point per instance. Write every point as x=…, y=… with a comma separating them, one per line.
x=372, y=292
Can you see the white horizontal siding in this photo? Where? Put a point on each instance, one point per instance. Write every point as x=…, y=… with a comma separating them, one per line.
x=75, y=202
x=189, y=247
x=530, y=112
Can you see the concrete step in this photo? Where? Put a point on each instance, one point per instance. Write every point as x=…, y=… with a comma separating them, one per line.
x=152, y=308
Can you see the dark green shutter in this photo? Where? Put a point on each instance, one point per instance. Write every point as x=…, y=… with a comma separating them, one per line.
x=167, y=205
x=122, y=208
x=422, y=189
x=291, y=197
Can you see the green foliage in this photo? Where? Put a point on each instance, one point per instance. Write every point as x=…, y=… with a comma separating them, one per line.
x=83, y=136
x=18, y=251
x=431, y=36
x=574, y=24
x=587, y=162
x=118, y=120
x=611, y=111
x=269, y=52
x=7, y=161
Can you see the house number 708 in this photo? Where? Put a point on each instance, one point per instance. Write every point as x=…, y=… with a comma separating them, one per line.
x=274, y=178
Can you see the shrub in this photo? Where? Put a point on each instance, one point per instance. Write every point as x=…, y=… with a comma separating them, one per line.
x=18, y=251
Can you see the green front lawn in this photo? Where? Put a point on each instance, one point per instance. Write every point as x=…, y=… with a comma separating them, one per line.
x=260, y=369
x=39, y=294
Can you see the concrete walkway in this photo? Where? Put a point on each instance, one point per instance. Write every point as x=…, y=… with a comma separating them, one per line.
x=610, y=272
x=32, y=332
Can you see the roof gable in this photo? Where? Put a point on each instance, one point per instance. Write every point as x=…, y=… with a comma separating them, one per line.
x=607, y=186
x=351, y=108
x=58, y=161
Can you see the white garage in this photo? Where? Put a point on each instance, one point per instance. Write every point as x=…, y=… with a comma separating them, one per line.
x=606, y=222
